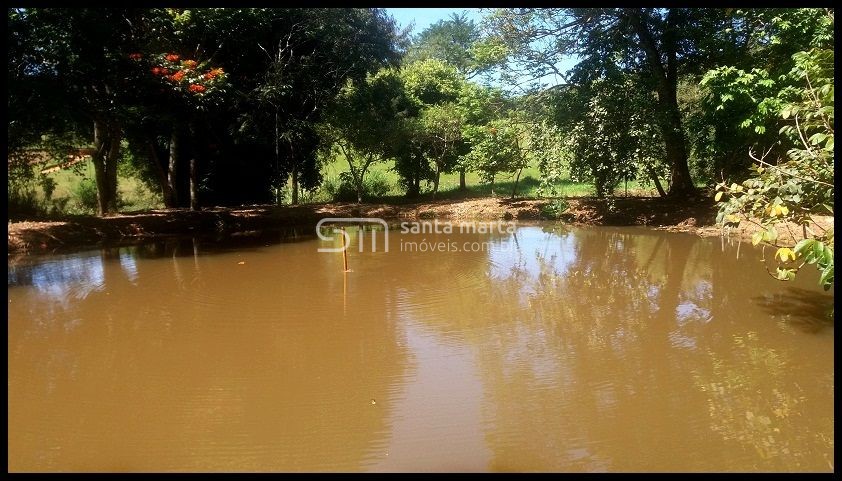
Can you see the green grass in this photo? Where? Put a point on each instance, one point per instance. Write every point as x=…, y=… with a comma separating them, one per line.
x=133, y=193
x=449, y=184
x=136, y=196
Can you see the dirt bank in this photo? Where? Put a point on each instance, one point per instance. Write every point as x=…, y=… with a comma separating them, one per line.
x=696, y=216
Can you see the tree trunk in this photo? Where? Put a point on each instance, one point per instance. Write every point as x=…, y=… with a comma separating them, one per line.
x=359, y=185
x=98, y=157
x=681, y=183
x=517, y=179
x=278, y=199
x=194, y=166
x=436, y=181
x=111, y=160
x=294, y=161
x=667, y=87
x=657, y=181
x=106, y=151
x=414, y=187
x=462, y=184
x=194, y=180
x=166, y=192
x=172, y=167
x=294, y=183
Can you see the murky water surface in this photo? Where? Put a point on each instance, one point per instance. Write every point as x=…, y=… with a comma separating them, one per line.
x=599, y=349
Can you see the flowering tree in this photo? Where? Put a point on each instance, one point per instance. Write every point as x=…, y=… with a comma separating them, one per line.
x=197, y=81
x=194, y=87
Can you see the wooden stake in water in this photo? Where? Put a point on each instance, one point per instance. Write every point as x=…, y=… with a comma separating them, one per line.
x=344, y=275
x=345, y=250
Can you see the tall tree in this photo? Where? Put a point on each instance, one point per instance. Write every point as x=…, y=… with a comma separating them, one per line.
x=365, y=123
x=83, y=56
x=428, y=84
x=442, y=130
x=659, y=44
x=495, y=149
x=606, y=131
x=450, y=41
x=299, y=60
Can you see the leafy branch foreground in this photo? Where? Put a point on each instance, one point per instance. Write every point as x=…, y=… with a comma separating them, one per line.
x=798, y=186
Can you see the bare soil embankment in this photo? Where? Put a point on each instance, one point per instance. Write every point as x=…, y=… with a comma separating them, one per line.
x=696, y=216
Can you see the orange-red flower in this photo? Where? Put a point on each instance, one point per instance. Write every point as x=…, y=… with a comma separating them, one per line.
x=197, y=88
x=135, y=56
x=176, y=77
x=189, y=63
x=157, y=71
x=172, y=57
x=213, y=73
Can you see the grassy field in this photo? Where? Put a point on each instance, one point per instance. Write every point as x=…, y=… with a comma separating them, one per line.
x=449, y=184
x=74, y=192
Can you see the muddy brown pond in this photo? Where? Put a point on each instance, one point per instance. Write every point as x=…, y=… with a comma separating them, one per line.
x=546, y=349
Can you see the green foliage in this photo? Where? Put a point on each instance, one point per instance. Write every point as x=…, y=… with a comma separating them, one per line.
x=495, y=149
x=48, y=185
x=23, y=202
x=343, y=187
x=84, y=195
x=431, y=138
x=548, y=152
x=366, y=123
x=331, y=188
x=448, y=40
x=134, y=165
x=813, y=251
x=244, y=76
x=525, y=40
x=555, y=209
x=743, y=98
x=377, y=185
x=431, y=82
x=442, y=138
x=799, y=185
x=615, y=124
x=489, y=53
x=607, y=131
x=23, y=183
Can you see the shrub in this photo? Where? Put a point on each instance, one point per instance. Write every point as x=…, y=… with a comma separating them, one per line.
x=555, y=209
x=341, y=188
x=48, y=185
x=376, y=185
x=23, y=202
x=84, y=195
